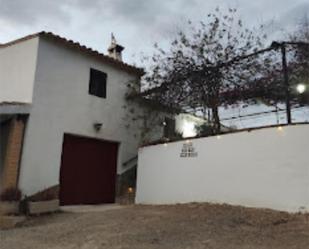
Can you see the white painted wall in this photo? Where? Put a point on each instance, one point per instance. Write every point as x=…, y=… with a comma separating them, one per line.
x=61, y=104
x=17, y=70
x=262, y=168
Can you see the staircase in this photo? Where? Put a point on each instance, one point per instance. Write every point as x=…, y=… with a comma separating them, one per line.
x=126, y=182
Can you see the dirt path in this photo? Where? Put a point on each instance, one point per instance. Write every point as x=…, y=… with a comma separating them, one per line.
x=157, y=227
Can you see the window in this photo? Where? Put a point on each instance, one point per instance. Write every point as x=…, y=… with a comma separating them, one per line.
x=169, y=127
x=97, y=84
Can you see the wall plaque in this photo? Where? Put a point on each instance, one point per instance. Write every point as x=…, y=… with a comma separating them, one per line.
x=188, y=150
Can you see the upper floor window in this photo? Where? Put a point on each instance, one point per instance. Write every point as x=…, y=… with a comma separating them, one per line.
x=97, y=83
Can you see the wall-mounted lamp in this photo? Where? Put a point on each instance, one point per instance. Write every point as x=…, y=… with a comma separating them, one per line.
x=130, y=190
x=97, y=126
x=188, y=129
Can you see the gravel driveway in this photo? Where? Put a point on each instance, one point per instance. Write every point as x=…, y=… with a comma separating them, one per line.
x=157, y=227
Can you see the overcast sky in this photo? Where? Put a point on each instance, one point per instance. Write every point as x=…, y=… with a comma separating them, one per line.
x=137, y=24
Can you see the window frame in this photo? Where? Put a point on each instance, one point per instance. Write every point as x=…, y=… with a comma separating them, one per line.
x=97, y=83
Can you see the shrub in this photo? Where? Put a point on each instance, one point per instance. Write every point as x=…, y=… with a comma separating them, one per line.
x=10, y=194
x=45, y=195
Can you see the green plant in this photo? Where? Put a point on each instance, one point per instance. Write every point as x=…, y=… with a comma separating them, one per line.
x=205, y=130
x=10, y=194
x=47, y=194
x=43, y=196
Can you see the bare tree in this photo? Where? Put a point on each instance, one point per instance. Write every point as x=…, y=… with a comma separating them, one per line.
x=201, y=69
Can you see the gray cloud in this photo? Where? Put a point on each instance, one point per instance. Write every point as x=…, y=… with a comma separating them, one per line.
x=137, y=23
x=32, y=11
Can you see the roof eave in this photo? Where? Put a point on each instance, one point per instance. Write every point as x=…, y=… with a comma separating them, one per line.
x=75, y=45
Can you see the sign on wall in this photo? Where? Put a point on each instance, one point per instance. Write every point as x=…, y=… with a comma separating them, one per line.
x=188, y=150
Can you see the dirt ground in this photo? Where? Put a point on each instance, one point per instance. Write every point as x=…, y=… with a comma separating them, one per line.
x=157, y=227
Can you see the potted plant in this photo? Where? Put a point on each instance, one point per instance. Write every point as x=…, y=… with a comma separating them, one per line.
x=43, y=202
x=9, y=201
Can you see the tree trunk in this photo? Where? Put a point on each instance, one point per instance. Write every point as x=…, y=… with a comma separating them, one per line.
x=216, y=119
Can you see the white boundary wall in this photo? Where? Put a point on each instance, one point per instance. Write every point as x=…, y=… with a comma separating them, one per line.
x=266, y=168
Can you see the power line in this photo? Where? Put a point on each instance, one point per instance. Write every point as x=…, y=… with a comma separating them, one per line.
x=260, y=113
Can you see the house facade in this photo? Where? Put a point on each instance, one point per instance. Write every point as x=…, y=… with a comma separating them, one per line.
x=63, y=118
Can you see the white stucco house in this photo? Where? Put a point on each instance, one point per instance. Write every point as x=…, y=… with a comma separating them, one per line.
x=62, y=118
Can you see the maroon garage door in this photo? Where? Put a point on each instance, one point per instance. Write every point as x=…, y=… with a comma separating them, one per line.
x=88, y=171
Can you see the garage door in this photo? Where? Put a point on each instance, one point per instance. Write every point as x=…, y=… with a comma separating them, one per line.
x=88, y=171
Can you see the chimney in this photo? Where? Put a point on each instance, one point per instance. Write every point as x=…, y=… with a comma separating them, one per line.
x=115, y=50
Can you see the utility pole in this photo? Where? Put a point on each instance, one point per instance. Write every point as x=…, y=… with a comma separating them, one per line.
x=286, y=83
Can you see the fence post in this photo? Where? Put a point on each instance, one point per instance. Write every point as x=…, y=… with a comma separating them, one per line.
x=286, y=84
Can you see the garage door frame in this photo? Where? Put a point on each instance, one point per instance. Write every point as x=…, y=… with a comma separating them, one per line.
x=96, y=139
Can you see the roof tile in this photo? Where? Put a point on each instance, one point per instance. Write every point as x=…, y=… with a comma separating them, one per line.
x=82, y=48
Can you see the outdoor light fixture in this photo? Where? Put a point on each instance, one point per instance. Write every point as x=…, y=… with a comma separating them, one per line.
x=301, y=88
x=280, y=128
x=165, y=144
x=218, y=137
x=97, y=126
x=188, y=129
x=130, y=190
x=164, y=123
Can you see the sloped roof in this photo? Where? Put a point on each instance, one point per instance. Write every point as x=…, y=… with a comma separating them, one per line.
x=83, y=49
